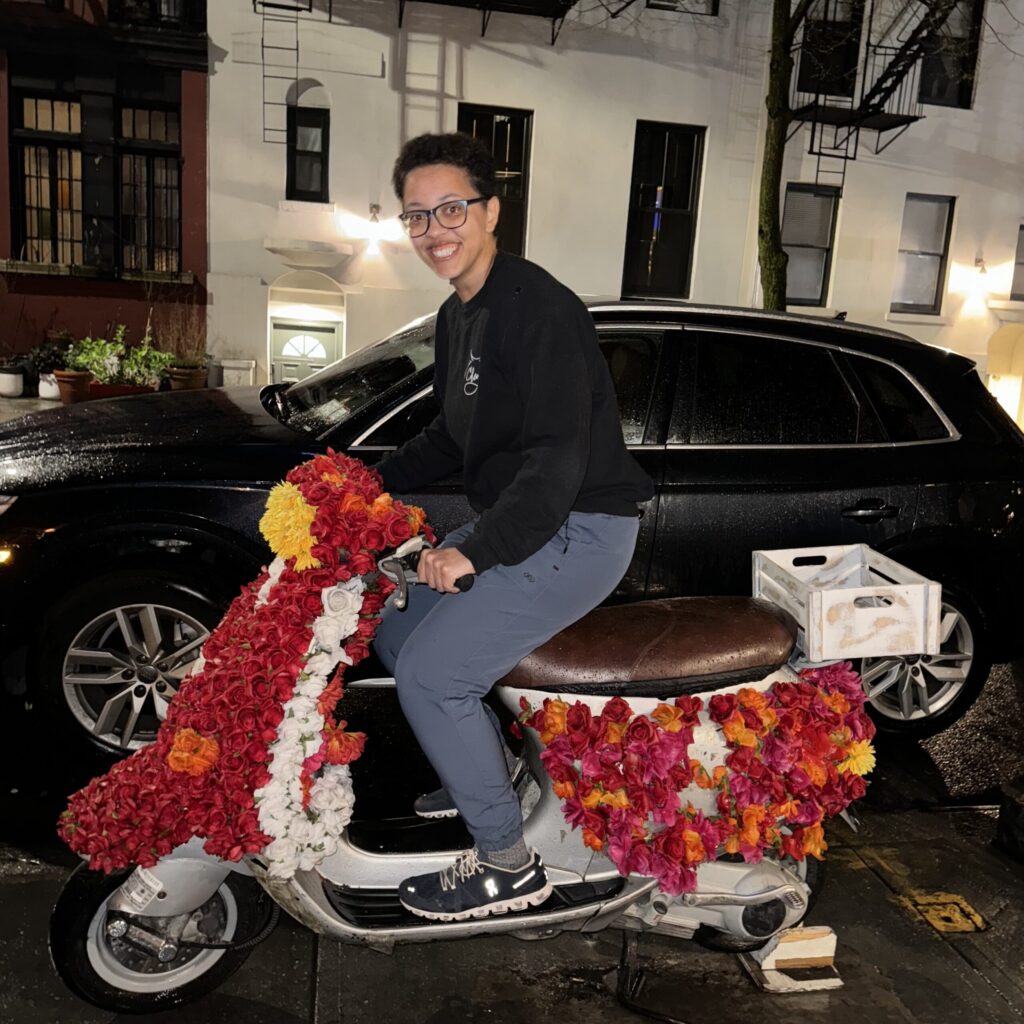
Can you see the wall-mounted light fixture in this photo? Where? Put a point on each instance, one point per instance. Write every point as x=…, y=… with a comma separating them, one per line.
x=371, y=229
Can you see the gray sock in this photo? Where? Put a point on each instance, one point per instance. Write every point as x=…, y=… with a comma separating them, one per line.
x=510, y=859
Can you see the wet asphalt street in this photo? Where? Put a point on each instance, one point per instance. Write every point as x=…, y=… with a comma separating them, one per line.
x=928, y=824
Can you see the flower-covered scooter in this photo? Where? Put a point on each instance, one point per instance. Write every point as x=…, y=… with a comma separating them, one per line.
x=674, y=774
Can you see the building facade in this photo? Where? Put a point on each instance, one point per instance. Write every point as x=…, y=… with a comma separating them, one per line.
x=103, y=172
x=629, y=151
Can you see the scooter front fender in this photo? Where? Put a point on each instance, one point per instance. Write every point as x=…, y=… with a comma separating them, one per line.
x=183, y=880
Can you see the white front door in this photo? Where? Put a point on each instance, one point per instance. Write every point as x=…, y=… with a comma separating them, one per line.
x=300, y=349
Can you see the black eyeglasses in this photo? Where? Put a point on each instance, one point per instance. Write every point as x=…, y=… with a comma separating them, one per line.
x=452, y=214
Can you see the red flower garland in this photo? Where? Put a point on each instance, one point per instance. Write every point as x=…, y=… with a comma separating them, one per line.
x=212, y=753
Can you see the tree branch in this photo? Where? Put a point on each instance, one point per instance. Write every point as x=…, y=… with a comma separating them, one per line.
x=796, y=19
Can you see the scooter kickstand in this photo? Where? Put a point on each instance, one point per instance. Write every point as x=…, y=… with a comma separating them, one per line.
x=631, y=980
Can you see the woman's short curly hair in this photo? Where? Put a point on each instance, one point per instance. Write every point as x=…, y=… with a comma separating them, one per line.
x=454, y=148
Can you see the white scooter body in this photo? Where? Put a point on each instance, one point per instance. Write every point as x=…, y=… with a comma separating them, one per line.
x=724, y=889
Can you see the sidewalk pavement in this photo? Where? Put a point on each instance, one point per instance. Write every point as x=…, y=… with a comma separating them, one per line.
x=12, y=408
x=929, y=917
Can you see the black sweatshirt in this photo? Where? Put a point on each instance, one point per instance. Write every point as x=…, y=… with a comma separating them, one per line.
x=529, y=413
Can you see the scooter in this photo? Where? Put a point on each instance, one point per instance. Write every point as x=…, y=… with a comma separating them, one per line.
x=168, y=935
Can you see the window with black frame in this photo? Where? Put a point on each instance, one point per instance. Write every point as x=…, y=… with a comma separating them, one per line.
x=830, y=48
x=923, y=253
x=47, y=160
x=506, y=133
x=662, y=217
x=1017, y=286
x=808, y=232
x=308, y=149
x=150, y=189
x=950, y=65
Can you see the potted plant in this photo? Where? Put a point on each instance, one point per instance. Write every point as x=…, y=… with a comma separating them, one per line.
x=47, y=358
x=12, y=375
x=73, y=378
x=181, y=330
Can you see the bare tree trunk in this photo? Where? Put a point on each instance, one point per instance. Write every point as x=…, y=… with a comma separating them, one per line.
x=772, y=256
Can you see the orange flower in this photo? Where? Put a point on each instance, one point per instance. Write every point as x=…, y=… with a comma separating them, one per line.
x=815, y=772
x=192, y=753
x=752, y=818
x=592, y=799
x=351, y=502
x=614, y=731
x=732, y=844
x=554, y=720
x=757, y=702
x=590, y=839
x=382, y=505
x=564, y=790
x=668, y=717
x=789, y=809
x=814, y=842
x=693, y=846
x=837, y=702
x=417, y=517
x=736, y=731
x=753, y=699
x=616, y=799
x=342, y=747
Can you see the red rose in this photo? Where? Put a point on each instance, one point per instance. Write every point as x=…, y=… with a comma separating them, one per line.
x=361, y=563
x=691, y=707
x=617, y=710
x=641, y=730
x=721, y=707
x=396, y=530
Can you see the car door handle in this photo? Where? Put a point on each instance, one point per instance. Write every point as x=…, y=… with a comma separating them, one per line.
x=873, y=513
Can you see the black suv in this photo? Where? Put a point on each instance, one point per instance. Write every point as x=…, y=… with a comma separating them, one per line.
x=128, y=524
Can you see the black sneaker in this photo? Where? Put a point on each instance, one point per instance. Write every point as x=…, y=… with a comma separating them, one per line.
x=473, y=888
x=436, y=805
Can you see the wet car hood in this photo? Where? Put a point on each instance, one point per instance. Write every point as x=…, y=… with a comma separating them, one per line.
x=111, y=436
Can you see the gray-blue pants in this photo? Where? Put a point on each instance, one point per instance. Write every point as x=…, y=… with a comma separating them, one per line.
x=446, y=651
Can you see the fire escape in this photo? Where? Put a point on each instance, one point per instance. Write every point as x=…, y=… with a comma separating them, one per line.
x=279, y=42
x=844, y=84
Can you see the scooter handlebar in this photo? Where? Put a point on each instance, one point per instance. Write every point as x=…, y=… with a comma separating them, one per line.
x=402, y=565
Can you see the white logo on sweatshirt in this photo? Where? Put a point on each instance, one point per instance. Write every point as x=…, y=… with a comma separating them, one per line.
x=471, y=386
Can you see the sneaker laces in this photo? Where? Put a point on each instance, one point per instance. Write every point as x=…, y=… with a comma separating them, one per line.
x=467, y=865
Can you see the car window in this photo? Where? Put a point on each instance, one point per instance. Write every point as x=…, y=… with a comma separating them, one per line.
x=905, y=412
x=320, y=402
x=632, y=358
x=403, y=425
x=750, y=390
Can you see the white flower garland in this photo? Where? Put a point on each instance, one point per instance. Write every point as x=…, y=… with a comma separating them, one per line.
x=303, y=837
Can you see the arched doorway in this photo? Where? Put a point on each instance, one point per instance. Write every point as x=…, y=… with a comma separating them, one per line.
x=306, y=313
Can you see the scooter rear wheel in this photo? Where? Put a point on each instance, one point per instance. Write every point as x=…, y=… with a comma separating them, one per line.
x=116, y=976
x=811, y=871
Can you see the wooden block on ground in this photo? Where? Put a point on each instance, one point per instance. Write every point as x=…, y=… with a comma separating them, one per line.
x=795, y=960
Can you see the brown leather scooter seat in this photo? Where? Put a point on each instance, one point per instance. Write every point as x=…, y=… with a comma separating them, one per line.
x=661, y=648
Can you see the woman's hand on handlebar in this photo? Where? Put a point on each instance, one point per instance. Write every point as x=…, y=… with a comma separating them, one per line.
x=439, y=568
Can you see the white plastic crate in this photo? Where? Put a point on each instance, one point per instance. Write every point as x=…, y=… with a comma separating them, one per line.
x=851, y=602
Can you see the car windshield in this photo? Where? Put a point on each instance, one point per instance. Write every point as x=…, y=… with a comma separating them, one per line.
x=319, y=403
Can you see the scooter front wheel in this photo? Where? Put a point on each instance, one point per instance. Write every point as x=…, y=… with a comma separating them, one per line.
x=117, y=975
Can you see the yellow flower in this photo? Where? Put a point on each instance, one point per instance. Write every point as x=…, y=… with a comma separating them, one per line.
x=860, y=758
x=286, y=526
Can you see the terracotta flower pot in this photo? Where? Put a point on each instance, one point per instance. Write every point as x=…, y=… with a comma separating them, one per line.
x=73, y=384
x=97, y=390
x=187, y=378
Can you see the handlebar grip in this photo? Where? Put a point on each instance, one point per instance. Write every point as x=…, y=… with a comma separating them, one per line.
x=464, y=583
